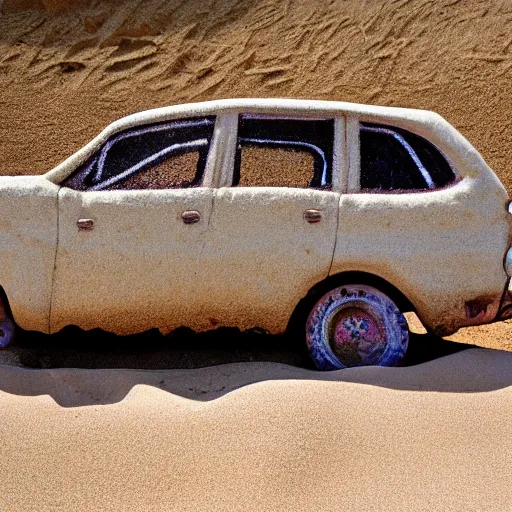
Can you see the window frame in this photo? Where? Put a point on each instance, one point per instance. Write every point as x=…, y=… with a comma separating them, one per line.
x=354, y=157
x=102, y=150
x=228, y=133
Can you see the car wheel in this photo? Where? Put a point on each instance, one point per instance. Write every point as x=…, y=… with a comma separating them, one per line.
x=356, y=325
x=7, y=331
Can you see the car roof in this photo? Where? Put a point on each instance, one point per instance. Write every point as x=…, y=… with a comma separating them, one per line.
x=422, y=122
x=278, y=106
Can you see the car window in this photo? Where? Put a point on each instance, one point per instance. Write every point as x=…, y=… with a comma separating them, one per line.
x=393, y=159
x=283, y=152
x=157, y=156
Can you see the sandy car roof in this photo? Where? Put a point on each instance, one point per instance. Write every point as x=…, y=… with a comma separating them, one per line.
x=278, y=106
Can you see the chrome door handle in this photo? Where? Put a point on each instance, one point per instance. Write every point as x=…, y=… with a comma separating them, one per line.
x=85, y=224
x=191, y=216
x=313, y=216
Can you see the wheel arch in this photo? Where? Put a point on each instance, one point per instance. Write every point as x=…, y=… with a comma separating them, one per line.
x=301, y=311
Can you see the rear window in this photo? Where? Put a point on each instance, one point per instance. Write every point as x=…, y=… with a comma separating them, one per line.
x=393, y=159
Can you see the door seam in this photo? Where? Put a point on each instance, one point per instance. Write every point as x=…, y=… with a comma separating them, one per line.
x=338, y=209
x=52, y=293
x=345, y=169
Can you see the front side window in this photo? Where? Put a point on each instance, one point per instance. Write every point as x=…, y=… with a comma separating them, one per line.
x=393, y=159
x=284, y=153
x=159, y=156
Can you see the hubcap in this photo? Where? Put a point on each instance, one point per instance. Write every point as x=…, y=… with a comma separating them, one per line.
x=356, y=336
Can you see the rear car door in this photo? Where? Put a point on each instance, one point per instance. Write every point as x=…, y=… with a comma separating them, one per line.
x=273, y=226
x=132, y=222
x=412, y=219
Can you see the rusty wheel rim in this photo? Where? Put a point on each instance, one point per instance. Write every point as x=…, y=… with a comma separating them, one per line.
x=356, y=336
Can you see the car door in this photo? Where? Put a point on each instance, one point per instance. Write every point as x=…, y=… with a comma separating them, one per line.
x=273, y=225
x=132, y=222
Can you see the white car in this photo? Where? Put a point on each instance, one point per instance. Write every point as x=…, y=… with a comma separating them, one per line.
x=262, y=213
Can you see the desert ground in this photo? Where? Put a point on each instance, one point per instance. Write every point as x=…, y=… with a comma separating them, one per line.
x=227, y=421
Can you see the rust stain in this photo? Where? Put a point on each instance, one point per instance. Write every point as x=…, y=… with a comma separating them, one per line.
x=478, y=306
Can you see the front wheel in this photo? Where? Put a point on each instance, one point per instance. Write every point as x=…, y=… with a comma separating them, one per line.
x=7, y=331
x=356, y=325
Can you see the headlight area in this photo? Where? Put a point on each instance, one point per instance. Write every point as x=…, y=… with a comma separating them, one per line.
x=508, y=262
x=505, y=310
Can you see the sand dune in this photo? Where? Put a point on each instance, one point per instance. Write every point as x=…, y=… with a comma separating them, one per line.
x=361, y=439
x=470, y=371
x=88, y=63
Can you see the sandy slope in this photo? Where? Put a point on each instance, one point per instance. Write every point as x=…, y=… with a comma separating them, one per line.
x=498, y=335
x=436, y=437
x=67, y=72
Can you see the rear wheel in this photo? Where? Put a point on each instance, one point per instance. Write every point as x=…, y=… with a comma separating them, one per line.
x=7, y=329
x=356, y=325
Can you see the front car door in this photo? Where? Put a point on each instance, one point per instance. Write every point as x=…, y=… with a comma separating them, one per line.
x=132, y=224
x=273, y=225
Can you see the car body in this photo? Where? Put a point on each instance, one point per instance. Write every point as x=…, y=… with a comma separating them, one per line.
x=79, y=247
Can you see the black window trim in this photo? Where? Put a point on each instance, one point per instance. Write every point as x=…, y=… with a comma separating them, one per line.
x=168, y=151
x=311, y=148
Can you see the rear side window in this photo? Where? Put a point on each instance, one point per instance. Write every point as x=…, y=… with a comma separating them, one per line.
x=393, y=159
x=158, y=156
x=284, y=153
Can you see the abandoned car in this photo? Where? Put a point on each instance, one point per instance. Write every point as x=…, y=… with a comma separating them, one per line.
x=334, y=217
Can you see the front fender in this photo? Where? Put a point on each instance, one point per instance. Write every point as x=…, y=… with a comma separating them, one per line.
x=28, y=244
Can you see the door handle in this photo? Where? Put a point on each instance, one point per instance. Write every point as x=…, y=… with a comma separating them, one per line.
x=85, y=224
x=191, y=216
x=313, y=216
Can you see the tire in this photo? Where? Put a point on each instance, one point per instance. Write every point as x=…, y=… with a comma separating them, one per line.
x=7, y=331
x=356, y=325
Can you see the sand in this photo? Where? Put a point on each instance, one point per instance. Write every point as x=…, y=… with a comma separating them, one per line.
x=176, y=172
x=65, y=73
x=434, y=436
x=275, y=167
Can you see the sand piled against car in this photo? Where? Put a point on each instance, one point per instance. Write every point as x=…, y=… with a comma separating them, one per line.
x=369, y=439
